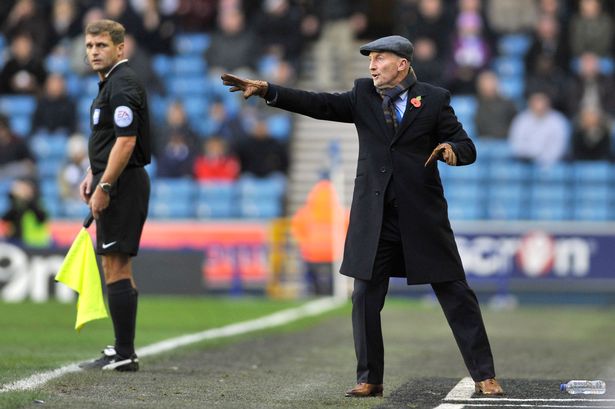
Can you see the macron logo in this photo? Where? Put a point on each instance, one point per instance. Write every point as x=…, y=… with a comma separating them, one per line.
x=107, y=245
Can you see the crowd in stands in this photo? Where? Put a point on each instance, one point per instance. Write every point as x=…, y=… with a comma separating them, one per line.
x=532, y=82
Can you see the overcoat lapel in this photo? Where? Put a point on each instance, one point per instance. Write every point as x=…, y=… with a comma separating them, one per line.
x=411, y=111
x=375, y=104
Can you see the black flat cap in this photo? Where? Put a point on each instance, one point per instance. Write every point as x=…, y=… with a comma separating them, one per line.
x=395, y=44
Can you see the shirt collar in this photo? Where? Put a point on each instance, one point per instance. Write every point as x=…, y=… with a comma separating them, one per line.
x=112, y=68
x=403, y=96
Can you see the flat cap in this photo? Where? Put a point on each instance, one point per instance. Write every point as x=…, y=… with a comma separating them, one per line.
x=395, y=44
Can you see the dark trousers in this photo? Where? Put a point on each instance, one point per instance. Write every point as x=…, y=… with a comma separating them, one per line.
x=456, y=298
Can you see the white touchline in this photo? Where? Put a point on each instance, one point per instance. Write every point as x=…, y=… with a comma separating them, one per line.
x=528, y=405
x=309, y=309
x=462, y=391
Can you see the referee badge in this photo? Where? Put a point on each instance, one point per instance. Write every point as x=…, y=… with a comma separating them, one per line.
x=122, y=116
x=96, y=116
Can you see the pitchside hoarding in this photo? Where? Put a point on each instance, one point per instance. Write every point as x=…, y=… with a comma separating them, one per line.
x=198, y=257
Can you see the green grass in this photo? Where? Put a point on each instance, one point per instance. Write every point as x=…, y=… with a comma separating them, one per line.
x=38, y=337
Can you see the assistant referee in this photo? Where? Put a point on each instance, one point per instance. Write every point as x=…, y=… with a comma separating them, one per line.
x=116, y=187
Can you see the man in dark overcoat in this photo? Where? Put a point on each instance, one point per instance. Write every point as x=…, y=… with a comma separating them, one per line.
x=399, y=223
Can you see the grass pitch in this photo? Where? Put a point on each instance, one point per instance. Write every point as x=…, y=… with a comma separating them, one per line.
x=309, y=365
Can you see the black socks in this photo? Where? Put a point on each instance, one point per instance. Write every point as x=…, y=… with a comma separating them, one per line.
x=123, y=309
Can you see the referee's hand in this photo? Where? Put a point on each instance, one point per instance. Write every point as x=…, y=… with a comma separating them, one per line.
x=85, y=187
x=99, y=202
x=246, y=86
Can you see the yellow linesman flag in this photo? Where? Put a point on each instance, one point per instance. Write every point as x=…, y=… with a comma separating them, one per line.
x=79, y=271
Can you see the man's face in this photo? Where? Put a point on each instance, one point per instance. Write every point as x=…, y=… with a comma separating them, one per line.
x=386, y=69
x=102, y=53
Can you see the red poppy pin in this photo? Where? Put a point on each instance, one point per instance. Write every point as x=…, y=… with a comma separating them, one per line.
x=416, y=102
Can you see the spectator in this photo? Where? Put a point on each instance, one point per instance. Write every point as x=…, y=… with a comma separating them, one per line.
x=122, y=12
x=508, y=17
x=315, y=226
x=197, y=15
x=65, y=23
x=177, y=158
x=337, y=24
x=158, y=29
x=591, y=30
x=16, y=160
x=23, y=73
x=539, y=134
x=28, y=16
x=78, y=63
x=433, y=21
x=224, y=123
x=590, y=88
x=495, y=112
x=591, y=136
x=427, y=64
x=549, y=78
x=140, y=61
x=215, y=164
x=55, y=111
x=548, y=41
x=26, y=218
x=276, y=27
x=176, y=123
x=233, y=47
x=260, y=154
x=471, y=53
x=75, y=167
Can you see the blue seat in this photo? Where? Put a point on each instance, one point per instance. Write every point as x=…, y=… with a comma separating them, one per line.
x=193, y=43
x=512, y=87
x=514, y=44
x=53, y=206
x=279, y=126
x=592, y=193
x=592, y=211
x=215, y=190
x=13, y=105
x=252, y=188
x=509, y=66
x=57, y=63
x=50, y=167
x=74, y=209
x=48, y=146
x=21, y=124
x=466, y=210
x=464, y=105
x=464, y=173
x=89, y=86
x=512, y=191
x=260, y=209
x=174, y=190
x=189, y=65
x=592, y=172
x=546, y=192
x=503, y=209
x=163, y=208
x=493, y=149
x=216, y=209
x=464, y=191
x=506, y=171
x=550, y=210
x=5, y=203
x=183, y=86
x=557, y=173
x=162, y=65
x=196, y=108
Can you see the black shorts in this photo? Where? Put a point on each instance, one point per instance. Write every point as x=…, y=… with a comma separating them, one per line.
x=119, y=227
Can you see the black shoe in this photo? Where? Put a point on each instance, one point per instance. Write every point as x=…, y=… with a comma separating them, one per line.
x=112, y=361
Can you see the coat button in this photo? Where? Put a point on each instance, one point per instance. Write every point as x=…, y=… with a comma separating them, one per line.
x=383, y=170
x=392, y=149
x=377, y=192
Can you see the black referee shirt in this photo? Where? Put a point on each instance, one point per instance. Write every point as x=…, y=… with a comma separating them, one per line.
x=119, y=109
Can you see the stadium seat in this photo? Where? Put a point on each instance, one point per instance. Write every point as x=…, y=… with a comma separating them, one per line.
x=216, y=210
x=558, y=192
x=196, y=108
x=191, y=44
x=252, y=188
x=74, y=209
x=47, y=146
x=174, y=190
x=57, y=63
x=464, y=173
x=507, y=171
x=279, y=126
x=17, y=105
x=550, y=210
x=21, y=124
x=503, y=209
x=183, y=86
x=514, y=44
x=464, y=210
x=509, y=66
x=592, y=172
x=464, y=105
x=162, y=208
x=464, y=191
x=493, y=149
x=4, y=204
x=557, y=173
x=162, y=65
x=189, y=65
x=260, y=209
x=512, y=87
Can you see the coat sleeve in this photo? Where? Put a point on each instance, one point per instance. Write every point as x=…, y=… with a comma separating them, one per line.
x=450, y=130
x=319, y=105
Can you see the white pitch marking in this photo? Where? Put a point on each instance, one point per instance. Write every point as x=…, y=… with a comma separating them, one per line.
x=535, y=400
x=462, y=391
x=309, y=309
x=449, y=406
x=527, y=405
